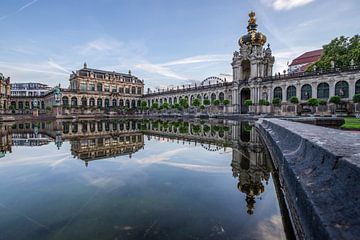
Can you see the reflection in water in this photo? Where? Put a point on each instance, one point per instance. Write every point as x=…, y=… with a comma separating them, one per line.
x=106, y=139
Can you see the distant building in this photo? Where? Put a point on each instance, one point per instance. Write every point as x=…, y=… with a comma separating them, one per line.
x=29, y=89
x=301, y=63
x=4, y=92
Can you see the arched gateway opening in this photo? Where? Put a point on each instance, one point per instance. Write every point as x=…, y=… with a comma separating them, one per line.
x=244, y=95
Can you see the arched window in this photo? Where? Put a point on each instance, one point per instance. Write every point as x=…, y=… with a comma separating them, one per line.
x=175, y=100
x=127, y=103
x=92, y=102
x=306, y=92
x=83, y=101
x=13, y=104
x=213, y=96
x=323, y=91
x=99, y=87
x=42, y=105
x=138, y=103
x=121, y=102
x=278, y=93
x=133, y=104
x=170, y=101
x=290, y=92
x=221, y=96
x=99, y=102
x=107, y=102
x=21, y=105
x=342, y=89
x=65, y=100
x=114, y=102
x=357, y=87
x=73, y=101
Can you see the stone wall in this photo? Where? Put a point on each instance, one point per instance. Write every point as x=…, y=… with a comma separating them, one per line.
x=319, y=169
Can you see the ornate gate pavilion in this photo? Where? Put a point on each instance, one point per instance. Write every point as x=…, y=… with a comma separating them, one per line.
x=253, y=79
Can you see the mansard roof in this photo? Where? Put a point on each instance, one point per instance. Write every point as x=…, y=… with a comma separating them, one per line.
x=98, y=71
x=308, y=57
x=85, y=71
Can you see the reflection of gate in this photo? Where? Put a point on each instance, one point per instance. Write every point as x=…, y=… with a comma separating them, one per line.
x=244, y=95
x=211, y=148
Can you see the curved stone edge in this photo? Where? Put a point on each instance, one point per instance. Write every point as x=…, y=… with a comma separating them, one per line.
x=320, y=176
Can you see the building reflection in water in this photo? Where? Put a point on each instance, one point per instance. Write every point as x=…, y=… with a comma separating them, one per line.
x=5, y=139
x=251, y=165
x=94, y=140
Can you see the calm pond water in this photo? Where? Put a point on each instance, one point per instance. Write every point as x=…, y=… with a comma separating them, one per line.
x=148, y=179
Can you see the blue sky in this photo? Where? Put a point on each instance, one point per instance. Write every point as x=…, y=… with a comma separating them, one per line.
x=164, y=42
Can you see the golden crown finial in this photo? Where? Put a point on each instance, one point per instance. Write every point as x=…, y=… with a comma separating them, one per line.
x=252, y=19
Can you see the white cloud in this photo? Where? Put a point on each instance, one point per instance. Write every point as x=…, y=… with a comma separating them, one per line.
x=26, y=6
x=103, y=45
x=22, y=8
x=159, y=69
x=199, y=59
x=165, y=156
x=286, y=4
x=164, y=70
x=47, y=68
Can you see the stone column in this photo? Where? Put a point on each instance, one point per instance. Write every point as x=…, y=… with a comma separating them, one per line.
x=284, y=87
x=298, y=90
x=313, y=90
x=351, y=88
x=331, y=87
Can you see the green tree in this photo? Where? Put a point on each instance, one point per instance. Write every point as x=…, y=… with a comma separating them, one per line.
x=184, y=103
x=341, y=50
x=177, y=106
x=294, y=100
x=264, y=102
x=216, y=102
x=356, y=98
x=196, y=102
x=322, y=102
x=313, y=102
x=155, y=105
x=335, y=99
x=206, y=102
x=143, y=105
x=48, y=109
x=226, y=102
x=165, y=105
x=248, y=102
x=276, y=101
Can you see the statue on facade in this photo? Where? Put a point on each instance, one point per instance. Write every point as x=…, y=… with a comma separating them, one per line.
x=332, y=63
x=57, y=96
x=341, y=92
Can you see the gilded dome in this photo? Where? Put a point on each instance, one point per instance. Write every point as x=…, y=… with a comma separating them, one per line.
x=252, y=37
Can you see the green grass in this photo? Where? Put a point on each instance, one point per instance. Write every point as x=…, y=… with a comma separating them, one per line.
x=351, y=123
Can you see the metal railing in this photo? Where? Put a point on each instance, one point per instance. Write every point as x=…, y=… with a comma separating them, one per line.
x=311, y=74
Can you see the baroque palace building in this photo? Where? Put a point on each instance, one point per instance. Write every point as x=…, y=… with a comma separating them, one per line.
x=89, y=88
x=253, y=79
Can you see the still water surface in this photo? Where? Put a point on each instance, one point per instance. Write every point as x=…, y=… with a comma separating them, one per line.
x=136, y=180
